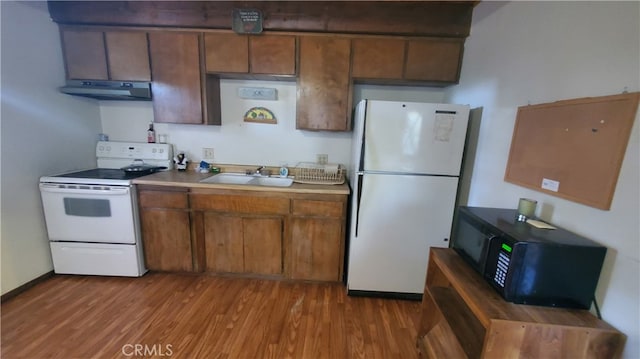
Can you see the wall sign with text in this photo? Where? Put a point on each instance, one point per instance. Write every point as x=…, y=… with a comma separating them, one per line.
x=247, y=21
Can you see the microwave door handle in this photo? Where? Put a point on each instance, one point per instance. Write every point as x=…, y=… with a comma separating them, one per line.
x=51, y=188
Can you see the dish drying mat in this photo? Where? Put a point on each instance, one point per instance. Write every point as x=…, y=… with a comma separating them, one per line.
x=315, y=173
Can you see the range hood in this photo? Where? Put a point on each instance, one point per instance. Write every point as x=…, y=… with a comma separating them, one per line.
x=108, y=90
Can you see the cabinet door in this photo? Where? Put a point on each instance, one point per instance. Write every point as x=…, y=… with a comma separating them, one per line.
x=166, y=236
x=84, y=54
x=177, y=81
x=378, y=58
x=434, y=60
x=324, y=85
x=128, y=56
x=316, y=248
x=226, y=53
x=223, y=243
x=262, y=245
x=272, y=55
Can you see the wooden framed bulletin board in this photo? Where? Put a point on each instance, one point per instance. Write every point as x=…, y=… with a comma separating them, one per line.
x=574, y=148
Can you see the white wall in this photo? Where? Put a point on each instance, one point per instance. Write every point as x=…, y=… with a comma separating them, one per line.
x=239, y=142
x=43, y=132
x=537, y=52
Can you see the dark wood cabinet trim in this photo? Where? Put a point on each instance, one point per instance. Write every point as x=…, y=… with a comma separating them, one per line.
x=430, y=18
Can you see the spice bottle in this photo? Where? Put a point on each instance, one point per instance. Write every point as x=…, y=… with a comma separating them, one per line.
x=151, y=134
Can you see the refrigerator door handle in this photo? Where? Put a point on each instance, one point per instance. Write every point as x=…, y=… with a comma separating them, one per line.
x=358, y=198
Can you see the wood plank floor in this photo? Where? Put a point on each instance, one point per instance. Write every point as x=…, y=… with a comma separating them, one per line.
x=189, y=316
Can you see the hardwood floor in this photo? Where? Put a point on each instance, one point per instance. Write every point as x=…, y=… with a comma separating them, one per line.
x=189, y=316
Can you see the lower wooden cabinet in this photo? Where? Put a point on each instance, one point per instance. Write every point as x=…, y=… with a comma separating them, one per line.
x=316, y=245
x=166, y=229
x=288, y=235
x=262, y=245
x=236, y=244
x=464, y=317
x=317, y=238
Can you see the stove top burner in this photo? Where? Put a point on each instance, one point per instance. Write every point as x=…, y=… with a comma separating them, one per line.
x=103, y=173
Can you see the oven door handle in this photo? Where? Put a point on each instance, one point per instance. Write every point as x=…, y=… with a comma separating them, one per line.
x=112, y=191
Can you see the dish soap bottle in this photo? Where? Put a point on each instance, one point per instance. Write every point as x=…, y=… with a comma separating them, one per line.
x=151, y=134
x=284, y=171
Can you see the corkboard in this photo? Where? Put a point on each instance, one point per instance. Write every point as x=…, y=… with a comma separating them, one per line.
x=574, y=148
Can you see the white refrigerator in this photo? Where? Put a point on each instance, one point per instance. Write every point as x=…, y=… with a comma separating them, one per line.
x=404, y=177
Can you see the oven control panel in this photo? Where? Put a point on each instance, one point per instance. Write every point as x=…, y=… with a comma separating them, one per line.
x=134, y=150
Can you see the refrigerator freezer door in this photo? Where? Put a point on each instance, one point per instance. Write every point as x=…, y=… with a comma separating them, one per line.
x=408, y=137
x=399, y=218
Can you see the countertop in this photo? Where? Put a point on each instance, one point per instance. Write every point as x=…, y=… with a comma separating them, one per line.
x=192, y=179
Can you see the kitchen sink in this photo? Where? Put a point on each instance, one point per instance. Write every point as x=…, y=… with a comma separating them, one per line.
x=228, y=178
x=241, y=179
x=272, y=181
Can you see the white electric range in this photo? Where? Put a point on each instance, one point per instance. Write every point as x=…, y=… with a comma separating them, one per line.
x=92, y=215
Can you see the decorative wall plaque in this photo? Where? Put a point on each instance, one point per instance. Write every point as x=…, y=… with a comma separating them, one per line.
x=260, y=115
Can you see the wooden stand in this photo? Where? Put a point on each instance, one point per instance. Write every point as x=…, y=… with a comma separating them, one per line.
x=463, y=317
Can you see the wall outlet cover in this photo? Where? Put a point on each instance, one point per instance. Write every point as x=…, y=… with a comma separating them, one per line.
x=207, y=153
x=322, y=158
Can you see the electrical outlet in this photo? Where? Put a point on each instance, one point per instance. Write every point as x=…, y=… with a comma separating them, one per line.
x=207, y=153
x=322, y=158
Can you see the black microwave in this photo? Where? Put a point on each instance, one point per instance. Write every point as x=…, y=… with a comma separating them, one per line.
x=525, y=264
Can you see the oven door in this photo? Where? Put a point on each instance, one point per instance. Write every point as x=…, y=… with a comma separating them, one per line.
x=89, y=213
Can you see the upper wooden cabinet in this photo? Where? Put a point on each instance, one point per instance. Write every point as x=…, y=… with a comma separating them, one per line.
x=128, y=55
x=110, y=55
x=179, y=86
x=272, y=54
x=226, y=53
x=400, y=60
x=256, y=54
x=434, y=60
x=324, y=84
x=84, y=55
x=378, y=58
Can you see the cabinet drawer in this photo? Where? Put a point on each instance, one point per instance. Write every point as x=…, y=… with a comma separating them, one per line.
x=157, y=199
x=240, y=204
x=318, y=208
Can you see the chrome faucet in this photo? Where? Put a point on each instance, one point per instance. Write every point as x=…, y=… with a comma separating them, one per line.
x=260, y=171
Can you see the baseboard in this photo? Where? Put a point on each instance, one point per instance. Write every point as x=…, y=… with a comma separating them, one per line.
x=387, y=295
x=14, y=292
